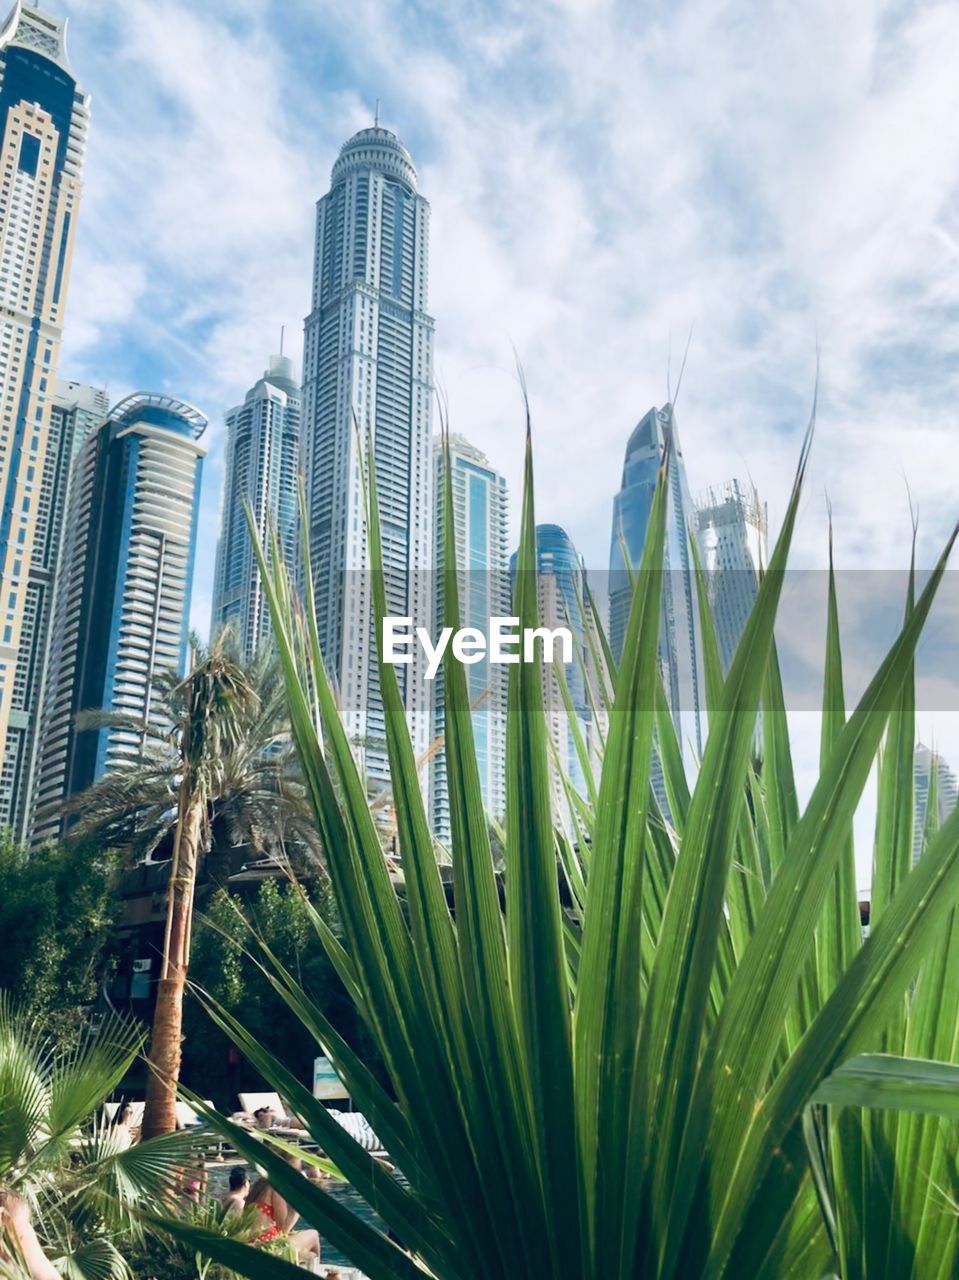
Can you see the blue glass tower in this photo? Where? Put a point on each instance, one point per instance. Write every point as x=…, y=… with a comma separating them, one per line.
x=122, y=614
x=680, y=643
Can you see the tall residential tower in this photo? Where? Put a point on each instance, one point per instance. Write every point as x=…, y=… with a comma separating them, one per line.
x=480, y=527
x=262, y=465
x=76, y=411
x=43, y=122
x=368, y=373
x=123, y=607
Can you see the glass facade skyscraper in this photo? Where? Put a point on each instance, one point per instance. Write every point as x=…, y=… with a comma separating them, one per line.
x=75, y=412
x=480, y=526
x=262, y=466
x=731, y=523
x=43, y=120
x=680, y=643
x=368, y=364
x=123, y=608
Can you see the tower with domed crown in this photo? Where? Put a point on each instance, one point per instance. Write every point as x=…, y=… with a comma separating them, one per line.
x=368, y=375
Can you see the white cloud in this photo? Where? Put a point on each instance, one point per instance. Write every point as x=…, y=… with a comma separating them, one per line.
x=602, y=177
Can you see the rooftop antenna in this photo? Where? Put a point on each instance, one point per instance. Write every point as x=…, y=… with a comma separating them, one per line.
x=282, y=332
x=376, y=115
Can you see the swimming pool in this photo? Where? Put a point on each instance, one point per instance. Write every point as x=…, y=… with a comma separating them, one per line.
x=219, y=1174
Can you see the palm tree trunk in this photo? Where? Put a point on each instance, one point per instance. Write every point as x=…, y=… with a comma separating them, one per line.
x=159, y=1115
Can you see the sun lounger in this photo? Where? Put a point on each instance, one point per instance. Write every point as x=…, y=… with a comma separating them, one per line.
x=187, y=1117
x=250, y=1102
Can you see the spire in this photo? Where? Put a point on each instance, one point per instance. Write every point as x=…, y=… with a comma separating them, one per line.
x=376, y=115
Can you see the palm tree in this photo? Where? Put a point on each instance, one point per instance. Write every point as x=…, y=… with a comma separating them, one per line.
x=84, y=1190
x=256, y=801
x=213, y=700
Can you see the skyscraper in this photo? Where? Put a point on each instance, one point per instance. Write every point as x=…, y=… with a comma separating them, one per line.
x=732, y=525
x=123, y=608
x=43, y=117
x=76, y=410
x=928, y=766
x=262, y=466
x=368, y=360
x=561, y=590
x=680, y=643
x=480, y=525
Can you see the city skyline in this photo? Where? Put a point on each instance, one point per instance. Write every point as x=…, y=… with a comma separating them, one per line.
x=545, y=243
x=496, y=281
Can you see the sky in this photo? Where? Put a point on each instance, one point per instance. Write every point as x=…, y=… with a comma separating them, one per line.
x=779, y=181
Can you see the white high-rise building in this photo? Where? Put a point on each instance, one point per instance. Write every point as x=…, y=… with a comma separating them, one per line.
x=368, y=372
x=480, y=525
x=76, y=411
x=43, y=127
x=123, y=607
x=262, y=465
x=927, y=765
x=732, y=527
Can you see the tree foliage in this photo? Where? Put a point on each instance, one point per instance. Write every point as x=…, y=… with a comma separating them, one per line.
x=57, y=918
x=224, y=967
x=256, y=802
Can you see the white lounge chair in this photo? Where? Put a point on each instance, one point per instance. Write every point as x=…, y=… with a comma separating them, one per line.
x=187, y=1117
x=250, y=1102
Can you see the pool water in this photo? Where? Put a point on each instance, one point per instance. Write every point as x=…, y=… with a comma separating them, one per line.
x=219, y=1176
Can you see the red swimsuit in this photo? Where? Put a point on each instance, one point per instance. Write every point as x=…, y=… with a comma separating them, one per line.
x=273, y=1231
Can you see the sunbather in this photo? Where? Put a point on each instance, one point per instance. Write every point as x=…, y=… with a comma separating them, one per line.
x=279, y=1218
x=268, y=1118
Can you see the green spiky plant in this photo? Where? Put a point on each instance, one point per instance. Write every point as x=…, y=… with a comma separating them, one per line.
x=623, y=1089
x=883, y=1142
